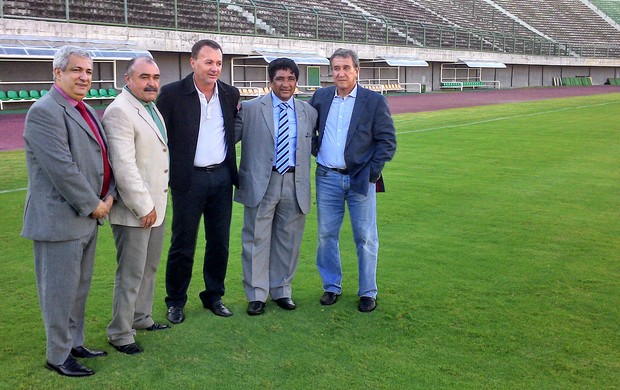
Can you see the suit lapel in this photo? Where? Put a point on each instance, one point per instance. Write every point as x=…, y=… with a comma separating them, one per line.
x=143, y=113
x=267, y=110
x=358, y=110
x=73, y=113
x=328, y=99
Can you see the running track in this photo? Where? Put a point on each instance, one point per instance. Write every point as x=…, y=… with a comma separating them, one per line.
x=12, y=125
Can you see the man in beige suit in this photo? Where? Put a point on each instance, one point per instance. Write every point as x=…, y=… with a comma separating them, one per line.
x=274, y=186
x=139, y=156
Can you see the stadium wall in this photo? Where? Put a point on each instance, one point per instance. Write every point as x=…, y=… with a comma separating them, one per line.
x=171, y=50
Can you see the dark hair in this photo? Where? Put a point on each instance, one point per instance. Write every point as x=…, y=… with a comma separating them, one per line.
x=129, y=69
x=282, y=63
x=346, y=53
x=202, y=43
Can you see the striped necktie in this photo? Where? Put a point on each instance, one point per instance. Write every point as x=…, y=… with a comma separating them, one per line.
x=282, y=143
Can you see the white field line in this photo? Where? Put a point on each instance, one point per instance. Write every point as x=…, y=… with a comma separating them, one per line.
x=14, y=190
x=502, y=118
x=445, y=127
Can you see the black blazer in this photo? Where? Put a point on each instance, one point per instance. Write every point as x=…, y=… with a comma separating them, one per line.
x=179, y=104
x=371, y=138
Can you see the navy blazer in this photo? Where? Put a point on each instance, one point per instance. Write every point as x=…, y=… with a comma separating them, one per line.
x=371, y=138
x=179, y=105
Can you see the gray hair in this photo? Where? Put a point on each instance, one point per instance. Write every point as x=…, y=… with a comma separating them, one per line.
x=132, y=62
x=346, y=53
x=61, y=57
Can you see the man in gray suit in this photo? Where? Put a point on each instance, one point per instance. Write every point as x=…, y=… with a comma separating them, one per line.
x=139, y=156
x=274, y=186
x=70, y=191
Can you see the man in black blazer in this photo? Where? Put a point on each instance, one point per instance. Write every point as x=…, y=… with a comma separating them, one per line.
x=356, y=137
x=199, y=112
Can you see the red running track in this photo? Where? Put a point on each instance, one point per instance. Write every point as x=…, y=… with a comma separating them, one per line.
x=12, y=125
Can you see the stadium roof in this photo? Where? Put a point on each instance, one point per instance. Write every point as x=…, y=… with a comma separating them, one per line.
x=300, y=58
x=44, y=48
x=481, y=63
x=403, y=61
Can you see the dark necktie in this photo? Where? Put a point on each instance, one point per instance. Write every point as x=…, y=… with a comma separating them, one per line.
x=282, y=142
x=107, y=172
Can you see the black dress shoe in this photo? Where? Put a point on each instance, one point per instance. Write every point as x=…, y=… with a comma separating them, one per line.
x=256, y=308
x=329, y=298
x=129, y=349
x=367, y=304
x=157, y=327
x=219, y=309
x=175, y=314
x=286, y=303
x=83, y=352
x=70, y=367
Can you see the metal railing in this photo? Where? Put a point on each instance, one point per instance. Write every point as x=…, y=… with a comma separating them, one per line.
x=270, y=19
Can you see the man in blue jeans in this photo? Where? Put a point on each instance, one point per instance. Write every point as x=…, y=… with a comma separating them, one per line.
x=356, y=137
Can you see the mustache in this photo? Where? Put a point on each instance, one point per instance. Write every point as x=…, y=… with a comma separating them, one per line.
x=150, y=89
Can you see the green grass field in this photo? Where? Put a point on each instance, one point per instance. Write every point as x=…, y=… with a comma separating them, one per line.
x=498, y=268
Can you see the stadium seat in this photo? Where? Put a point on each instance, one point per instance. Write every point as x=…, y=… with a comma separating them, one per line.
x=43, y=92
x=34, y=94
x=3, y=96
x=93, y=93
x=23, y=94
x=112, y=92
x=12, y=95
x=103, y=92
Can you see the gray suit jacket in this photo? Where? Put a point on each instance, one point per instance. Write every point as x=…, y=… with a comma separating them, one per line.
x=254, y=127
x=139, y=157
x=65, y=171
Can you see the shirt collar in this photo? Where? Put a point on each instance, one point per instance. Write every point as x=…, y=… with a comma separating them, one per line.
x=276, y=101
x=352, y=94
x=138, y=99
x=71, y=100
x=215, y=91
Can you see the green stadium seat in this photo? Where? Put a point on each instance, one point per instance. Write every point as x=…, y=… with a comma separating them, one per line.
x=3, y=96
x=112, y=92
x=103, y=92
x=34, y=94
x=12, y=95
x=43, y=92
x=93, y=93
x=23, y=94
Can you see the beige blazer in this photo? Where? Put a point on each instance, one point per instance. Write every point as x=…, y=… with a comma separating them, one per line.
x=139, y=157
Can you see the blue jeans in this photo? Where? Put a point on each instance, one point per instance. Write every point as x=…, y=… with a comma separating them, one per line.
x=332, y=192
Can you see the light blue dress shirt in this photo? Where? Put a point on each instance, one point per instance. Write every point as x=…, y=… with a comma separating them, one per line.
x=337, y=124
x=292, y=126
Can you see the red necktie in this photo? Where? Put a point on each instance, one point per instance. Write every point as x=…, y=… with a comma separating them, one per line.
x=107, y=172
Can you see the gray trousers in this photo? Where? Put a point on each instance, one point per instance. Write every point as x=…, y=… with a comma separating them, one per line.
x=64, y=270
x=271, y=238
x=138, y=251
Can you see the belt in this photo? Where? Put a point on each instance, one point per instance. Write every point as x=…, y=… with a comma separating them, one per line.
x=291, y=169
x=209, y=168
x=342, y=171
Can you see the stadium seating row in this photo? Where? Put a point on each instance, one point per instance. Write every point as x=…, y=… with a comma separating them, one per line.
x=23, y=96
x=462, y=84
x=615, y=81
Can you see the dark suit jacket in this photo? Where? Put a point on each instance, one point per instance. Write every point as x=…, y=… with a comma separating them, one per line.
x=65, y=171
x=179, y=104
x=371, y=138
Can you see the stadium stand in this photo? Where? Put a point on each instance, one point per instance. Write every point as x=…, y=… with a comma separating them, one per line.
x=610, y=7
x=564, y=21
x=513, y=26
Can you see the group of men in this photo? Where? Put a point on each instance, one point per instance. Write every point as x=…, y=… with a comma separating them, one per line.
x=82, y=170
